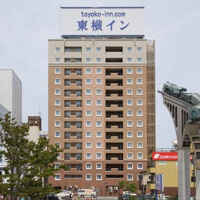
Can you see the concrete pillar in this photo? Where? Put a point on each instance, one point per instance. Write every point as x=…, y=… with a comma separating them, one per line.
x=183, y=174
x=197, y=184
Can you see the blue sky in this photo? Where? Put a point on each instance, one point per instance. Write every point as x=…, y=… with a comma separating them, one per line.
x=26, y=25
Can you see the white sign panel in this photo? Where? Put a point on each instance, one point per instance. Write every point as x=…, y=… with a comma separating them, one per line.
x=87, y=21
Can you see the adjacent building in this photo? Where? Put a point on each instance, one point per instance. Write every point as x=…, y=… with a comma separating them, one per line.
x=165, y=164
x=101, y=98
x=11, y=93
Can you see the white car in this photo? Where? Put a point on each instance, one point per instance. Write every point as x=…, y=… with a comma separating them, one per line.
x=86, y=193
x=130, y=193
x=65, y=194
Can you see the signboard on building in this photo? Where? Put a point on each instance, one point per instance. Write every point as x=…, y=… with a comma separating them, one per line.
x=169, y=156
x=88, y=21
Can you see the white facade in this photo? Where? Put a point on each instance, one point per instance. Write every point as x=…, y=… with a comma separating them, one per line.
x=11, y=93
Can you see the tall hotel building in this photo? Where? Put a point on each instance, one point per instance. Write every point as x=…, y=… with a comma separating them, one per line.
x=101, y=98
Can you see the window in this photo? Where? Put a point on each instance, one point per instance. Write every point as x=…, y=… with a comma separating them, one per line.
x=129, y=177
x=129, y=60
x=88, y=177
x=88, y=165
x=98, y=134
x=129, y=49
x=57, y=113
x=98, y=59
x=88, y=71
x=129, y=113
x=139, y=123
x=139, y=102
x=139, y=60
x=139, y=49
x=139, y=81
x=129, y=71
x=57, y=71
x=98, y=49
x=130, y=166
x=139, y=134
x=139, y=166
x=98, y=81
x=98, y=92
x=129, y=123
x=88, y=145
x=129, y=134
x=98, y=113
x=99, y=145
x=139, y=113
x=98, y=71
x=57, y=134
x=88, y=59
x=139, y=71
x=129, y=92
x=58, y=144
x=99, y=166
x=88, y=49
x=57, y=92
x=57, y=50
x=88, y=102
x=58, y=156
x=57, y=166
x=98, y=124
x=88, y=92
x=88, y=123
x=98, y=155
x=88, y=81
x=129, y=102
x=88, y=134
x=129, y=155
x=88, y=113
x=57, y=60
x=139, y=92
x=139, y=145
x=88, y=155
x=98, y=102
x=130, y=145
x=57, y=102
x=129, y=81
x=57, y=177
x=99, y=177
x=140, y=155
x=57, y=81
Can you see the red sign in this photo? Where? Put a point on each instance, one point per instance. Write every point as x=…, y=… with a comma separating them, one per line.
x=170, y=156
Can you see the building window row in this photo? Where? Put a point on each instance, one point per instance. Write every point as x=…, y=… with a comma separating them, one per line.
x=99, y=71
x=98, y=49
x=88, y=134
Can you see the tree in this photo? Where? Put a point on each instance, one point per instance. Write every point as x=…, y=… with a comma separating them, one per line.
x=28, y=164
x=127, y=186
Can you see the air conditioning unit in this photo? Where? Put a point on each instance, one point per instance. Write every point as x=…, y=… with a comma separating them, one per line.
x=116, y=188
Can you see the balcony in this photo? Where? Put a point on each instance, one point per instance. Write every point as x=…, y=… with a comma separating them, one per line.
x=113, y=168
x=114, y=114
x=73, y=73
x=114, y=104
x=114, y=156
x=73, y=83
x=114, y=73
x=114, y=137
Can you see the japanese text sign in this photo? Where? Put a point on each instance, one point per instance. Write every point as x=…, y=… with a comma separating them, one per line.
x=87, y=21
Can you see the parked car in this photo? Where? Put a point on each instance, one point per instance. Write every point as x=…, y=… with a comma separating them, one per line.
x=130, y=193
x=51, y=197
x=86, y=193
x=65, y=194
x=124, y=197
x=145, y=197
